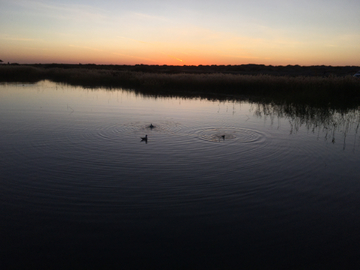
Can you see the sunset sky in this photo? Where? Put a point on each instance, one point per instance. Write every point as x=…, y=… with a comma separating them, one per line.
x=188, y=32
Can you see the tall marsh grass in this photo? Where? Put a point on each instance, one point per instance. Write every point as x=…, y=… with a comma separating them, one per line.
x=317, y=91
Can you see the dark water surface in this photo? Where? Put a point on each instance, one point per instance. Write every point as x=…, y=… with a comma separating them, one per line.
x=79, y=189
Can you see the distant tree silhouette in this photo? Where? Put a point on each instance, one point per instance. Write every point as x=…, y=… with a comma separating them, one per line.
x=1, y=61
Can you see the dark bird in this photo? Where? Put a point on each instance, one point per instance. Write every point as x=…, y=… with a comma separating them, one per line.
x=144, y=138
x=223, y=137
x=151, y=126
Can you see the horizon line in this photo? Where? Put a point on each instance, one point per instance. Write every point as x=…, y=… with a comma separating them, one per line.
x=200, y=65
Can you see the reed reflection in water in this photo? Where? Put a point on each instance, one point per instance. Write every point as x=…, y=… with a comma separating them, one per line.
x=79, y=188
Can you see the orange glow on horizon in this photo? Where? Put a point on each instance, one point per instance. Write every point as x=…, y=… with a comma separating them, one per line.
x=28, y=52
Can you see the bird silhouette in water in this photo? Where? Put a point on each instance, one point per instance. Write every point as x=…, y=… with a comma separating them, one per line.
x=144, y=139
x=151, y=126
x=223, y=137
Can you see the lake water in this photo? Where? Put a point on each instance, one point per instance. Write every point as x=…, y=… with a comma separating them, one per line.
x=232, y=185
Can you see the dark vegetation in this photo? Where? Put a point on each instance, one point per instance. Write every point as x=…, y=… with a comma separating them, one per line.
x=249, y=69
x=317, y=86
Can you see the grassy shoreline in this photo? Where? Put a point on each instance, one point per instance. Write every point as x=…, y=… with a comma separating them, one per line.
x=333, y=90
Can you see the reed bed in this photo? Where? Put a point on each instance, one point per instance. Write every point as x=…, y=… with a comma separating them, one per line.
x=316, y=91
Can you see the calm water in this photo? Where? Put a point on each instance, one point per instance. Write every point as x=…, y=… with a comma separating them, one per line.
x=78, y=188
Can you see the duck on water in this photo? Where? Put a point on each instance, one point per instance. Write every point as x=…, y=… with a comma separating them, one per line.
x=144, y=139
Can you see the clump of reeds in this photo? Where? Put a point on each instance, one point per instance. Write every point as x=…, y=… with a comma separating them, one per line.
x=10, y=73
x=325, y=120
x=317, y=91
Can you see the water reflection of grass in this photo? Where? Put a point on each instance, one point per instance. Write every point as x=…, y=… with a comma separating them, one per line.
x=311, y=90
x=325, y=119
